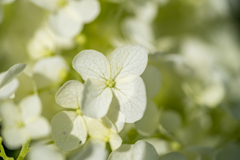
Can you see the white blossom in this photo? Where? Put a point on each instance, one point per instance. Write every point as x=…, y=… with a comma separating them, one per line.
x=23, y=121
x=117, y=76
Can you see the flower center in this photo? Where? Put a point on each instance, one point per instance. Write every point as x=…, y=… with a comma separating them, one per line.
x=79, y=112
x=62, y=74
x=110, y=83
x=105, y=138
x=62, y=3
x=20, y=124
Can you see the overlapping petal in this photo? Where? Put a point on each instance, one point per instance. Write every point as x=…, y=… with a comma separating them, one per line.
x=9, y=89
x=131, y=94
x=96, y=98
x=70, y=94
x=68, y=130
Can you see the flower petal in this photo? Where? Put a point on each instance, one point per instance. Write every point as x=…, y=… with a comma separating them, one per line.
x=97, y=129
x=152, y=79
x=173, y=155
x=123, y=152
x=88, y=10
x=143, y=150
x=31, y=108
x=131, y=95
x=46, y=4
x=13, y=137
x=66, y=22
x=116, y=117
x=128, y=60
x=12, y=73
x=92, y=64
x=38, y=128
x=151, y=116
x=96, y=98
x=70, y=94
x=115, y=140
x=7, y=90
x=68, y=130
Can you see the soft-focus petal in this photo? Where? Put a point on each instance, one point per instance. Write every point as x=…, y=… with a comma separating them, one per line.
x=170, y=120
x=152, y=79
x=92, y=64
x=128, y=60
x=173, y=155
x=68, y=130
x=115, y=140
x=31, y=108
x=143, y=150
x=150, y=120
x=38, y=128
x=6, y=1
x=96, y=98
x=123, y=152
x=7, y=90
x=43, y=152
x=9, y=113
x=66, y=22
x=13, y=137
x=70, y=94
x=88, y=10
x=50, y=5
x=131, y=95
x=12, y=72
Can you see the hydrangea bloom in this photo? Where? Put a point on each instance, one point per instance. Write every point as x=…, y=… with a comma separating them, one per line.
x=68, y=16
x=119, y=76
x=8, y=83
x=23, y=122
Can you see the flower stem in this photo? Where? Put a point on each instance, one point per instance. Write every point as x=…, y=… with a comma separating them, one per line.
x=2, y=153
x=24, y=150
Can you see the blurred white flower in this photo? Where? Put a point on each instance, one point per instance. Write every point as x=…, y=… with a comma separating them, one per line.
x=105, y=131
x=50, y=70
x=68, y=16
x=68, y=127
x=8, y=81
x=119, y=76
x=141, y=150
x=23, y=122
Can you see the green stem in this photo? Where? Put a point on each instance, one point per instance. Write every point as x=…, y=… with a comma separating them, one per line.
x=3, y=154
x=24, y=151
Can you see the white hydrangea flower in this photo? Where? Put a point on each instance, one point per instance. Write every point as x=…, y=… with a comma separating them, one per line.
x=117, y=76
x=104, y=130
x=69, y=16
x=152, y=80
x=50, y=70
x=8, y=81
x=22, y=122
x=69, y=130
x=141, y=150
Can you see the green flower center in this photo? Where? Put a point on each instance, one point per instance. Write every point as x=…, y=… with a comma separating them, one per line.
x=62, y=3
x=79, y=112
x=110, y=83
x=20, y=124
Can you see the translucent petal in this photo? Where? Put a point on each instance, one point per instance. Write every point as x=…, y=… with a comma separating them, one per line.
x=115, y=140
x=131, y=94
x=88, y=10
x=11, y=73
x=7, y=90
x=13, y=137
x=117, y=118
x=66, y=22
x=123, y=152
x=50, y=5
x=68, y=130
x=97, y=129
x=152, y=79
x=96, y=98
x=92, y=64
x=173, y=155
x=143, y=150
x=38, y=128
x=9, y=113
x=30, y=107
x=150, y=120
x=70, y=94
x=128, y=60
